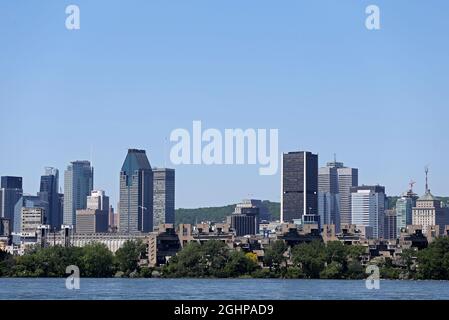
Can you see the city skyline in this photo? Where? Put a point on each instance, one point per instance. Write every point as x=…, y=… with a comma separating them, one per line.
x=376, y=98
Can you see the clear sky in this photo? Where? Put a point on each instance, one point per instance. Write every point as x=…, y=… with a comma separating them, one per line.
x=136, y=70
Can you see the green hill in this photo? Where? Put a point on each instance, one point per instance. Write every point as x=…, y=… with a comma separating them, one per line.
x=218, y=214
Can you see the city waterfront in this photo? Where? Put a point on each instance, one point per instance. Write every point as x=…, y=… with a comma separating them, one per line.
x=220, y=289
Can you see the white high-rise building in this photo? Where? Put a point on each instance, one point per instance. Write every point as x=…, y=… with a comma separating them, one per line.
x=98, y=200
x=368, y=208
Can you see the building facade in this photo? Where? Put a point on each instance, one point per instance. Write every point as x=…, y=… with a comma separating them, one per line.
x=10, y=193
x=245, y=219
x=78, y=184
x=368, y=208
x=91, y=221
x=299, y=194
x=49, y=192
x=136, y=193
x=163, y=196
x=347, y=178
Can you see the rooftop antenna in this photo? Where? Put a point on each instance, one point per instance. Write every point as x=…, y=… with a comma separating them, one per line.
x=426, y=170
x=411, y=184
x=335, y=157
x=165, y=152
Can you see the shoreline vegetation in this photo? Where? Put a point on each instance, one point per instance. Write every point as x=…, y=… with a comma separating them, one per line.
x=214, y=259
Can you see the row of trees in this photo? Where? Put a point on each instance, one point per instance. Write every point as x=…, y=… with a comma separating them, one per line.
x=94, y=260
x=314, y=260
x=215, y=259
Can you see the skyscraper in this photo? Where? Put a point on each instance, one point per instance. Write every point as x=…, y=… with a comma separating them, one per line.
x=404, y=209
x=136, y=193
x=299, y=185
x=347, y=178
x=78, y=183
x=328, y=196
x=245, y=219
x=10, y=193
x=163, y=196
x=49, y=188
x=368, y=208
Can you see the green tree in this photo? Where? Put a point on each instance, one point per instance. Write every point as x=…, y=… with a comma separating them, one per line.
x=433, y=262
x=97, y=261
x=274, y=256
x=128, y=256
x=239, y=264
x=311, y=258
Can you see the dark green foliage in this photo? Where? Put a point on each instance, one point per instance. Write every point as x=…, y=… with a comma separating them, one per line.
x=433, y=262
x=128, y=256
x=211, y=259
x=218, y=214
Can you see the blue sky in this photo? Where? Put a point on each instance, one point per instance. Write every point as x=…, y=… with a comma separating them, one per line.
x=136, y=70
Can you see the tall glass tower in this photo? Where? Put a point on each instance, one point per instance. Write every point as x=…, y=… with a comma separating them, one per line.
x=78, y=184
x=136, y=193
x=48, y=192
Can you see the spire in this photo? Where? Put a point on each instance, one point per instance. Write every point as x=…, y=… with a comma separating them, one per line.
x=427, y=182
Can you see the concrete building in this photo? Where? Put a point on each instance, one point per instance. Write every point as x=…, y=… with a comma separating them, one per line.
x=245, y=219
x=163, y=196
x=136, y=193
x=368, y=208
x=299, y=194
x=428, y=211
x=78, y=184
x=162, y=245
x=10, y=193
x=91, y=221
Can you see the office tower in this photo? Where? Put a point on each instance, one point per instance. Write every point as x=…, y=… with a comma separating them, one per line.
x=428, y=211
x=347, y=178
x=390, y=226
x=299, y=185
x=328, y=196
x=111, y=219
x=404, y=209
x=98, y=201
x=368, y=208
x=49, y=188
x=91, y=221
x=10, y=192
x=245, y=219
x=78, y=183
x=136, y=193
x=163, y=196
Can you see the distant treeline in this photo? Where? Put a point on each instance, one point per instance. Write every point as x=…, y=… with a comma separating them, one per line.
x=219, y=214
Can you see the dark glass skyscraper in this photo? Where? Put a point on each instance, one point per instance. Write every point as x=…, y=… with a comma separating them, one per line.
x=299, y=185
x=49, y=192
x=136, y=193
x=10, y=193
